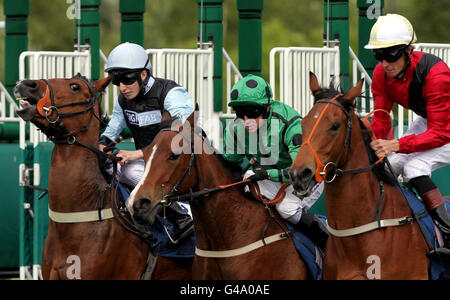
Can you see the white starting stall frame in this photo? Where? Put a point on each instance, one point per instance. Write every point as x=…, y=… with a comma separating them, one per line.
x=7, y=114
x=289, y=76
x=192, y=69
x=289, y=73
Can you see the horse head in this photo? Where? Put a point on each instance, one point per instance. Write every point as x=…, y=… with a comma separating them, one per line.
x=59, y=106
x=170, y=168
x=327, y=136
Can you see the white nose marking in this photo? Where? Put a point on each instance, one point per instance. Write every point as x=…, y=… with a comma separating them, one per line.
x=131, y=198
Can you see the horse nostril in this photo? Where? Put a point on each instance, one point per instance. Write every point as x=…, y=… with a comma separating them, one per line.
x=301, y=179
x=306, y=173
x=32, y=85
x=141, y=203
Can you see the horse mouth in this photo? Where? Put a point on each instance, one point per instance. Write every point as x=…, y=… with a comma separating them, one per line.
x=302, y=191
x=27, y=102
x=27, y=110
x=144, y=212
x=303, y=184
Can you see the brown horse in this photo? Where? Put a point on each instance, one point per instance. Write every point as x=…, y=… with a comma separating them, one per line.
x=228, y=224
x=354, y=195
x=84, y=239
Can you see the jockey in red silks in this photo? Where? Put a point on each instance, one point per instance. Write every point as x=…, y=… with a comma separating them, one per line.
x=420, y=82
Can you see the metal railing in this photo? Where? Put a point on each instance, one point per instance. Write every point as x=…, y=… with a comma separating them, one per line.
x=190, y=68
x=7, y=106
x=365, y=105
x=232, y=76
x=289, y=73
x=441, y=50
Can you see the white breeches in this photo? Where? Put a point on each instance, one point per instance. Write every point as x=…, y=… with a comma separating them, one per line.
x=417, y=164
x=130, y=173
x=291, y=206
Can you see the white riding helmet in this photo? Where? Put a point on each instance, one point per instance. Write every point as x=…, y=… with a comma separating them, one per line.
x=391, y=30
x=128, y=56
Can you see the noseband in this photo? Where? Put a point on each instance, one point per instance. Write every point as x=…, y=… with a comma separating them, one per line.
x=321, y=168
x=54, y=117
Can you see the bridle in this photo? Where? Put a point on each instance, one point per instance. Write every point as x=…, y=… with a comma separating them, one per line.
x=55, y=118
x=191, y=196
x=192, y=162
x=194, y=193
x=321, y=168
x=167, y=198
x=321, y=175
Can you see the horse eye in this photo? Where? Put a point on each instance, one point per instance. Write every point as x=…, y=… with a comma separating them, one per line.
x=174, y=156
x=75, y=87
x=335, y=126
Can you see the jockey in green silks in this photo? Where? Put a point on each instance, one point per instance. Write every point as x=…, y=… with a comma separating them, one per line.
x=269, y=134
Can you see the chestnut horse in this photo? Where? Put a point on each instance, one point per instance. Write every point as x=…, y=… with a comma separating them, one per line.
x=335, y=149
x=229, y=226
x=84, y=240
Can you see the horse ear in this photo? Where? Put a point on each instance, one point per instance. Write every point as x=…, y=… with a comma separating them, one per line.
x=313, y=82
x=101, y=84
x=354, y=91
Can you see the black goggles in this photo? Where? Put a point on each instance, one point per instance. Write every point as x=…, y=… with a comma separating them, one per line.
x=252, y=112
x=389, y=54
x=126, y=79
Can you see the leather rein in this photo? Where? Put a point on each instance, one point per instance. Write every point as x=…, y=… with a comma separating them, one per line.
x=53, y=115
x=321, y=168
x=191, y=196
x=376, y=221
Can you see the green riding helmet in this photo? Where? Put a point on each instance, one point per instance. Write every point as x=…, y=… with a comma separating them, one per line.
x=251, y=90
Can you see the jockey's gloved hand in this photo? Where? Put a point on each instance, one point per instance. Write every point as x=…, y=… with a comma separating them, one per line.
x=260, y=174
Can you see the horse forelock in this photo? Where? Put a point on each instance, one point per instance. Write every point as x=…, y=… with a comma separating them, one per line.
x=330, y=93
x=84, y=78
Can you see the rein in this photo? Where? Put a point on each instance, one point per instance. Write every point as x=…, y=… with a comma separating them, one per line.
x=205, y=192
x=321, y=175
x=56, y=121
x=70, y=139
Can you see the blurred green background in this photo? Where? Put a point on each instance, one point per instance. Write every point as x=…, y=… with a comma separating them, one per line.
x=173, y=24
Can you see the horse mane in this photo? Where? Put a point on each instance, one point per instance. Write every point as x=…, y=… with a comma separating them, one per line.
x=168, y=123
x=379, y=169
x=233, y=170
